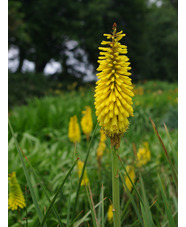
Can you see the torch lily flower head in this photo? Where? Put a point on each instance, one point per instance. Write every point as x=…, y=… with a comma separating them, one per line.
x=74, y=131
x=113, y=92
x=15, y=198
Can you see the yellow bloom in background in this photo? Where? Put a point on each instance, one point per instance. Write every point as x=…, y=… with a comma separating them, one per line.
x=138, y=91
x=137, y=103
x=100, y=150
x=57, y=92
x=85, y=179
x=15, y=197
x=86, y=121
x=110, y=214
x=131, y=172
x=102, y=146
x=74, y=131
x=72, y=86
x=103, y=136
x=143, y=154
x=113, y=92
x=176, y=100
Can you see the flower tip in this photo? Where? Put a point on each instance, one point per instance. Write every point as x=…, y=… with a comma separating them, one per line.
x=114, y=26
x=113, y=92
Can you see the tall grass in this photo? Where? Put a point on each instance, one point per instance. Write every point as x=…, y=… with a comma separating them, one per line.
x=41, y=132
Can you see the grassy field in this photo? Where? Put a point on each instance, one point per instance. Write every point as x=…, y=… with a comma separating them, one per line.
x=41, y=129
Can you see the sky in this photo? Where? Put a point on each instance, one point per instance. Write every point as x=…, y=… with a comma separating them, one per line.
x=55, y=66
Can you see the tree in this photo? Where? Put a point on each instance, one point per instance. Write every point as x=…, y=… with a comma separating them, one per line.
x=161, y=58
x=42, y=28
x=17, y=28
x=51, y=23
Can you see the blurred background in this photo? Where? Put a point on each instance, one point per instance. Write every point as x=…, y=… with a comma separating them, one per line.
x=54, y=44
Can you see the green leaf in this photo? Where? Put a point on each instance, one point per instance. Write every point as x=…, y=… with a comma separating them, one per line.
x=69, y=201
x=145, y=208
x=92, y=208
x=130, y=195
x=57, y=193
x=85, y=162
x=130, y=180
x=42, y=186
x=175, y=153
x=48, y=198
x=39, y=213
x=166, y=204
x=103, y=218
x=78, y=223
x=174, y=171
x=165, y=224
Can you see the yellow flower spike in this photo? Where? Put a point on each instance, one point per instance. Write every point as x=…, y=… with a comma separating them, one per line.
x=110, y=214
x=15, y=198
x=143, y=155
x=74, y=131
x=131, y=172
x=85, y=179
x=86, y=121
x=103, y=136
x=113, y=92
x=100, y=150
x=101, y=147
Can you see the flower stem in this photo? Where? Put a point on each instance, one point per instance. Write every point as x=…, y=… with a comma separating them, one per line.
x=115, y=189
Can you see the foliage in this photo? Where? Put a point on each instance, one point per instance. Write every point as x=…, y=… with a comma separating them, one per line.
x=22, y=87
x=161, y=44
x=25, y=86
x=16, y=26
x=41, y=31
x=41, y=129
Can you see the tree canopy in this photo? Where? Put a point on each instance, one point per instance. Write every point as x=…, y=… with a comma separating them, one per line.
x=41, y=30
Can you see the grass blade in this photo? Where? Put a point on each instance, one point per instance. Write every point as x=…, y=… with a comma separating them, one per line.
x=172, y=147
x=57, y=193
x=132, y=201
x=165, y=224
x=103, y=218
x=78, y=223
x=26, y=219
x=100, y=207
x=71, y=224
x=85, y=162
x=69, y=202
x=125, y=209
x=92, y=208
x=130, y=180
x=166, y=204
x=146, y=212
x=39, y=213
x=175, y=173
x=145, y=219
x=134, y=223
x=38, y=178
x=53, y=208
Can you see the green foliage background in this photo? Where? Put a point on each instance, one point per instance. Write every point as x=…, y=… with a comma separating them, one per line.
x=41, y=129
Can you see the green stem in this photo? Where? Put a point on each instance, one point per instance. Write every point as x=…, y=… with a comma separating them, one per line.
x=70, y=189
x=115, y=189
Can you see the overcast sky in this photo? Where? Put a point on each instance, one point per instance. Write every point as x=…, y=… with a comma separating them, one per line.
x=54, y=66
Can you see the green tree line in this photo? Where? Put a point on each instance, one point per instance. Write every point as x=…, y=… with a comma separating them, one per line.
x=41, y=29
